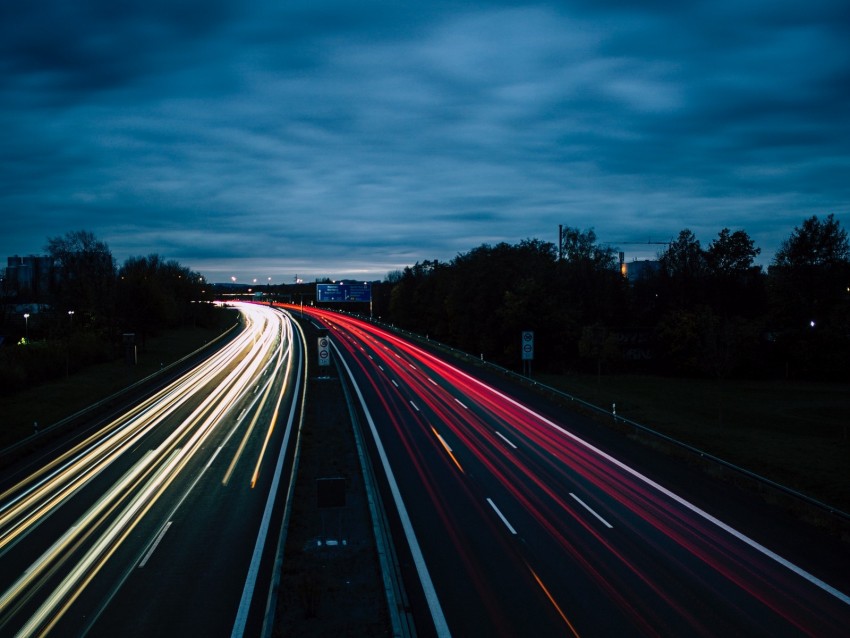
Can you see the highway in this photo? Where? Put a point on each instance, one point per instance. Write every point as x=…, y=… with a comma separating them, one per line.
x=512, y=525
x=165, y=520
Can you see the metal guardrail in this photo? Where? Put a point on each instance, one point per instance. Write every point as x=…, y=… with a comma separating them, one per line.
x=703, y=455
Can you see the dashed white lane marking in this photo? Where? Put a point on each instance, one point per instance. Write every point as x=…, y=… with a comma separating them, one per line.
x=154, y=545
x=501, y=516
x=505, y=439
x=587, y=507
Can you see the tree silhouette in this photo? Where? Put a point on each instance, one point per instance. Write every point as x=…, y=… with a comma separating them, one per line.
x=703, y=312
x=154, y=293
x=731, y=253
x=684, y=268
x=810, y=297
x=85, y=275
x=810, y=274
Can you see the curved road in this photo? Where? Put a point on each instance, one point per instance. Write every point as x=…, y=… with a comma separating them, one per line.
x=516, y=526
x=163, y=522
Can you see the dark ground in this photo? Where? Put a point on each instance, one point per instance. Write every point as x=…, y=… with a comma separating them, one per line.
x=327, y=589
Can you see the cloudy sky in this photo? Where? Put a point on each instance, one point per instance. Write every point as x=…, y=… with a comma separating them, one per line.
x=269, y=138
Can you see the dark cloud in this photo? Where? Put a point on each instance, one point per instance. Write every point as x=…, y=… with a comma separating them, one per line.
x=338, y=137
x=56, y=53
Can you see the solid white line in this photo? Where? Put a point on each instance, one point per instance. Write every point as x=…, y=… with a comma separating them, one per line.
x=814, y=580
x=587, y=507
x=505, y=439
x=154, y=545
x=502, y=516
x=440, y=625
x=212, y=458
x=254, y=568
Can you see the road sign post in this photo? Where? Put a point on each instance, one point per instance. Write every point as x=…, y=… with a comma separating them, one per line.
x=350, y=292
x=527, y=351
x=324, y=351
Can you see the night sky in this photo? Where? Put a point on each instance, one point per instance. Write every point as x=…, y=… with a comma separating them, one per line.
x=269, y=138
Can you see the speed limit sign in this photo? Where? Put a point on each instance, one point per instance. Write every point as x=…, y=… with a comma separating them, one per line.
x=324, y=351
x=527, y=345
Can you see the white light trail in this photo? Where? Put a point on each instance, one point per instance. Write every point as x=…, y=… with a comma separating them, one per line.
x=120, y=508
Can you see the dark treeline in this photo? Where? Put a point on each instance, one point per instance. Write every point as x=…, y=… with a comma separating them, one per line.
x=703, y=311
x=88, y=303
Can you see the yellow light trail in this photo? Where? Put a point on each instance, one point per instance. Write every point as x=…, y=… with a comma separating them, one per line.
x=254, y=420
x=34, y=499
x=447, y=448
x=552, y=600
x=273, y=421
x=41, y=493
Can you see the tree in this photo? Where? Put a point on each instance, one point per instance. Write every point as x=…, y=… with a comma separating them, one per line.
x=85, y=281
x=731, y=253
x=735, y=287
x=580, y=247
x=810, y=303
x=412, y=300
x=479, y=285
x=589, y=279
x=684, y=258
x=483, y=299
x=683, y=267
x=154, y=293
x=810, y=274
x=815, y=244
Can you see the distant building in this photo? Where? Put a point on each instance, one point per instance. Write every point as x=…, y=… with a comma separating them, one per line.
x=27, y=278
x=635, y=270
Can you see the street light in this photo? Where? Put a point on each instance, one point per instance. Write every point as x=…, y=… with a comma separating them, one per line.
x=27, y=325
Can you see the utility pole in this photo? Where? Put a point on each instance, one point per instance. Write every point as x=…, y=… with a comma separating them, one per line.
x=560, y=242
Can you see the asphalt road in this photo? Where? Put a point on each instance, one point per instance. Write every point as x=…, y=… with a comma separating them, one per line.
x=516, y=525
x=164, y=521
x=511, y=516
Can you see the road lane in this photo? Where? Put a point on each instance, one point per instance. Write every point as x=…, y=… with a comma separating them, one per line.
x=72, y=536
x=578, y=542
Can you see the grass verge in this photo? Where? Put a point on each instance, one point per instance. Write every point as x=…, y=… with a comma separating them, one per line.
x=794, y=433
x=50, y=402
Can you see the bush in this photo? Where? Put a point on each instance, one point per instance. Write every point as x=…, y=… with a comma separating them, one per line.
x=23, y=366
